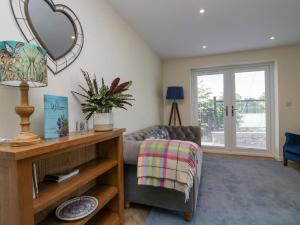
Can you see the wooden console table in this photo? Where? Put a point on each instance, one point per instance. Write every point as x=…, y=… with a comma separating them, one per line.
x=99, y=157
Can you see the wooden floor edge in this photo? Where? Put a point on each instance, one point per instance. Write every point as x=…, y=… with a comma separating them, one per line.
x=237, y=155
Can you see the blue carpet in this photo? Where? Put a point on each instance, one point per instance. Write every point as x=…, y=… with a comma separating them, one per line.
x=241, y=192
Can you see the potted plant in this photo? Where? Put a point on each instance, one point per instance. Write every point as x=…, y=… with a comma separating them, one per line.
x=100, y=100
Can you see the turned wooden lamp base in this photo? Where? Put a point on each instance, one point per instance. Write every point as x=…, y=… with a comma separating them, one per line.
x=26, y=137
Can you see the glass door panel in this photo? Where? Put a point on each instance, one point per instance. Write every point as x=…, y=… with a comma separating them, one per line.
x=210, y=107
x=250, y=110
x=234, y=105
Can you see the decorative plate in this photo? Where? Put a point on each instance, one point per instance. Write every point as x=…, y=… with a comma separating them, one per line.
x=76, y=208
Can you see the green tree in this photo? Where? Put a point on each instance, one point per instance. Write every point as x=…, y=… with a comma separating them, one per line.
x=210, y=110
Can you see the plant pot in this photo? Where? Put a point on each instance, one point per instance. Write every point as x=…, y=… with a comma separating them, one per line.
x=103, y=121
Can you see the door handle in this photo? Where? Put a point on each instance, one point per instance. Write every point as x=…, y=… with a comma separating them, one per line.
x=233, y=110
x=226, y=110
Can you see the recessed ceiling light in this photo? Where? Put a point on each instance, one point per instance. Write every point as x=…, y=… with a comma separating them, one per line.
x=202, y=11
x=204, y=46
x=73, y=37
x=272, y=38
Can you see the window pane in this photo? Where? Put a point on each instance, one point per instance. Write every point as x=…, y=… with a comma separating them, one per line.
x=211, y=109
x=250, y=105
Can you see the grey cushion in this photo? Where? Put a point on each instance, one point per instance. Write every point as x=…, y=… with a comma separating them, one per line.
x=141, y=134
x=161, y=133
x=185, y=133
x=131, y=152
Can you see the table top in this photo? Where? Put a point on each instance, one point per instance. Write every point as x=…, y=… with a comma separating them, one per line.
x=56, y=145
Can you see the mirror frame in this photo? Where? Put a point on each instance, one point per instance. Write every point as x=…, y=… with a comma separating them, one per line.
x=37, y=35
x=55, y=64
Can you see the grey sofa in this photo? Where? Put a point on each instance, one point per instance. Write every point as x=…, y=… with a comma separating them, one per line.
x=156, y=196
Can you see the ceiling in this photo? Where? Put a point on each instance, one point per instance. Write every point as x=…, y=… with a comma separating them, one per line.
x=175, y=28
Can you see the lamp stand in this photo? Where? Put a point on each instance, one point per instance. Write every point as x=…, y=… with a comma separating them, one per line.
x=174, y=113
x=24, y=110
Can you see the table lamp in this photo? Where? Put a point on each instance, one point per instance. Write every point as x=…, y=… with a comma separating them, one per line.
x=23, y=65
x=175, y=93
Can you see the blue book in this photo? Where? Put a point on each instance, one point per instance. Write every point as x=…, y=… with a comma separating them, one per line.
x=56, y=116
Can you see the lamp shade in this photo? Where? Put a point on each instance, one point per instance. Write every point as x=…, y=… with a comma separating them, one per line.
x=22, y=62
x=175, y=93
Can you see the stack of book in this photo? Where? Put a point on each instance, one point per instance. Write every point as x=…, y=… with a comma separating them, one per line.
x=61, y=176
x=55, y=177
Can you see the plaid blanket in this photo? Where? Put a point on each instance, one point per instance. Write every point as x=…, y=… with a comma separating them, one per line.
x=168, y=163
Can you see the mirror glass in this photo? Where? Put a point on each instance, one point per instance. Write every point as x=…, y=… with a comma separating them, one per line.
x=54, y=30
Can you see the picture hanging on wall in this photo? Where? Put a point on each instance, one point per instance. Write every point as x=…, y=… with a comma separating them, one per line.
x=56, y=116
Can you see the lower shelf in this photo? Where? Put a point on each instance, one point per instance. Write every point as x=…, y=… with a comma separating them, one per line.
x=105, y=218
x=103, y=193
x=52, y=192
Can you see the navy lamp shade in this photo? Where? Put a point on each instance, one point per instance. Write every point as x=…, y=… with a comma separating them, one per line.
x=175, y=93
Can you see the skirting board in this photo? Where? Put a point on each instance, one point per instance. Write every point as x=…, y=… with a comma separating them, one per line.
x=247, y=154
x=278, y=157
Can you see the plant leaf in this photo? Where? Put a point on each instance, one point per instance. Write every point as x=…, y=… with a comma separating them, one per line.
x=114, y=84
x=95, y=85
x=74, y=92
x=120, y=88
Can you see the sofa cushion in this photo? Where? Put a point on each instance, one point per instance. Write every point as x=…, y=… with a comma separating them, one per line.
x=140, y=135
x=161, y=133
x=295, y=149
x=185, y=133
x=131, y=152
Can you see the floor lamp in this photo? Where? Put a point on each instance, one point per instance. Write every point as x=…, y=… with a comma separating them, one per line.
x=175, y=93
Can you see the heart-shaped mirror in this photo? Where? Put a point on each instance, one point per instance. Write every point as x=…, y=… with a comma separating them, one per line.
x=53, y=26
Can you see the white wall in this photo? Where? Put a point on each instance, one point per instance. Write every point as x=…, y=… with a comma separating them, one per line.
x=111, y=49
x=287, y=76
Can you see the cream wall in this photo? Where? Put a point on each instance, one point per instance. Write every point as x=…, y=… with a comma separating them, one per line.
x=111, y=49
x=287, y=83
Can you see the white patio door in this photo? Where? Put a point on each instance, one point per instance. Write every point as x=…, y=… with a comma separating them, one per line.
x=233, y=107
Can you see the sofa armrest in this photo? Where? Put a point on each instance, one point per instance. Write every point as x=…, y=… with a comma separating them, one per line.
x=131, y=151
x=185, y=133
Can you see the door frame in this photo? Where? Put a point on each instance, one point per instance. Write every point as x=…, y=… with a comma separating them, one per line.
x=270, y=105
